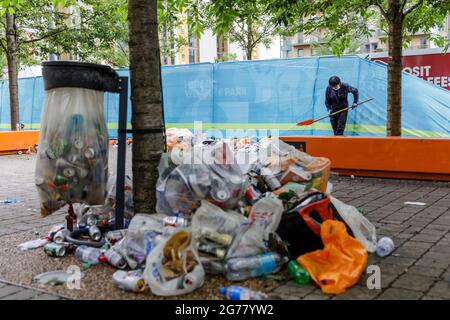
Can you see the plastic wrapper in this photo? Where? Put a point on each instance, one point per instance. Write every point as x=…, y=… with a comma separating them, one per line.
x=252, y=237
x=143, y=234
x=173, y=267
x=72, y=162
x=363, y=230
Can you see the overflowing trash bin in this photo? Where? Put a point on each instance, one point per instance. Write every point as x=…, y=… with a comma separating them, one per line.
x=237, y=208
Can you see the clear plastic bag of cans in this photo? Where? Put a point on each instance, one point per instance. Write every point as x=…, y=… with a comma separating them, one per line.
x=205, y=173
x=72, y=162
x=213, y=232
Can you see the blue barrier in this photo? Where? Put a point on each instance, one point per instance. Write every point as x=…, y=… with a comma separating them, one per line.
x=252, y=97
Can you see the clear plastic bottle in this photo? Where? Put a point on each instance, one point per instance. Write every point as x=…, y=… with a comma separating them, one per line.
x=241, y=293
x=88, y=254
x=251, y=267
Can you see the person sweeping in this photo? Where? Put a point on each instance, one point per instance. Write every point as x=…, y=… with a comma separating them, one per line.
x=336, y=99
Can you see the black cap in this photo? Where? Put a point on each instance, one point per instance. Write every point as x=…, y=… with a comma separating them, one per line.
x=334, y=81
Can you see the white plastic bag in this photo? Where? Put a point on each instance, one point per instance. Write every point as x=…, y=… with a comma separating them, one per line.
x=140, y=239
x=178, y=276
x=363, y=230
x=72, y=163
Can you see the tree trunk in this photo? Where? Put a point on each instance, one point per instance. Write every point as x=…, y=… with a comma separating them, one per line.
x=249, y=53
x=147, y=112
x=11, y=57
x=394, y=107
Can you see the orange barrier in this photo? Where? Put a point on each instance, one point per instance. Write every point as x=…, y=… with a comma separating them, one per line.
x=12, y=142
x=386, y=157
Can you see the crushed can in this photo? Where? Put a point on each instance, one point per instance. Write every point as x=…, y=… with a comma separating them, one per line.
x=129, y=281
x=214, y=236
x=174, y=221
x=115, y=235
x=61, y=236
x=115, y=259
x=212, y=250
x=54, y=250
x=95, y=233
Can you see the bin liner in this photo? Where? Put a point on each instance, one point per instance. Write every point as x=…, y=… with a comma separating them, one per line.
x=72, y=162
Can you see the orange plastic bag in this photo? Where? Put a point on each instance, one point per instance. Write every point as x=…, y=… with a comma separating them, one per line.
x=340, y=263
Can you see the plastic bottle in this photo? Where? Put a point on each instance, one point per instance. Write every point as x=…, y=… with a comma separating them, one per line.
x=88, y=254
x=241, y=293
x=251, y=267
x=385, y=246
x=298, y=274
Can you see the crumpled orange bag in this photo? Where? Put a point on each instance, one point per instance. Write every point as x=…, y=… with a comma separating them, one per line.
x=340, y=263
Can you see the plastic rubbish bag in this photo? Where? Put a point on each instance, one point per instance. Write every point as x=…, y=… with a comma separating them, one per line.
x=213, y=231
x=292, y=165
x=178, y=138
x=140, y=239
x=72, y=162
x=252, y=237
x=363, y=230
x=173, y=267
x=211, y=175
x=340, y=263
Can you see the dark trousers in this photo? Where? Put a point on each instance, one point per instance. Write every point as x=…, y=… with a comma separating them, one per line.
x=338, y=123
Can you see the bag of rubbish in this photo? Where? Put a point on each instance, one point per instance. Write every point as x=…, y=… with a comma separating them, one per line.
x=253, y=236
x=173, y=267
x=178, y=138
x=181, y=190
x=292, y=165
x=143, y=233
x=300, y=225
x=340, y=263
x=213, y=231
x=363, y=230
x=72, y=160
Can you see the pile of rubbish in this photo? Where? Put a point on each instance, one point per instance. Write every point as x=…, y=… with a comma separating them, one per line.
x=237, y=208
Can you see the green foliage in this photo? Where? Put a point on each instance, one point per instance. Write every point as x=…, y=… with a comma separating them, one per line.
x=347, y=19
x=226, y=57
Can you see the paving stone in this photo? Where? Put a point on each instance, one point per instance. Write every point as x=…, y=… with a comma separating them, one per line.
x=45, y=296
x=427, y=238
x=399, y=261
x=425, y=271
x=410, y=252
x=22, y=295
x=399, y=294
x=8, y=290
x=441, y=290
x=414, y=282
x=358, y=293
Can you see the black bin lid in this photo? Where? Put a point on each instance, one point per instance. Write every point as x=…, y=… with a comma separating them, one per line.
x=59, y=74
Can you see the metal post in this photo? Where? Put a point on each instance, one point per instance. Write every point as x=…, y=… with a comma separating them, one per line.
x=121, y=153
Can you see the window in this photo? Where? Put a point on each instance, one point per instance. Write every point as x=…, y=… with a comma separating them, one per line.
x=423, y=43
x=300, y=52
x=374, y=46
x=300, y=37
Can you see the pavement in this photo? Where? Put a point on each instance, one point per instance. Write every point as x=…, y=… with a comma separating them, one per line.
x=418, y=268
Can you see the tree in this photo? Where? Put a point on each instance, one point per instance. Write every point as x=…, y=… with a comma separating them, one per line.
x=345, y=17
x=33, y=29
x=147, y=114
x=244, y=22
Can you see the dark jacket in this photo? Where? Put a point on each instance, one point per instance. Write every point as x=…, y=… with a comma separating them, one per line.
x=337, y=99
